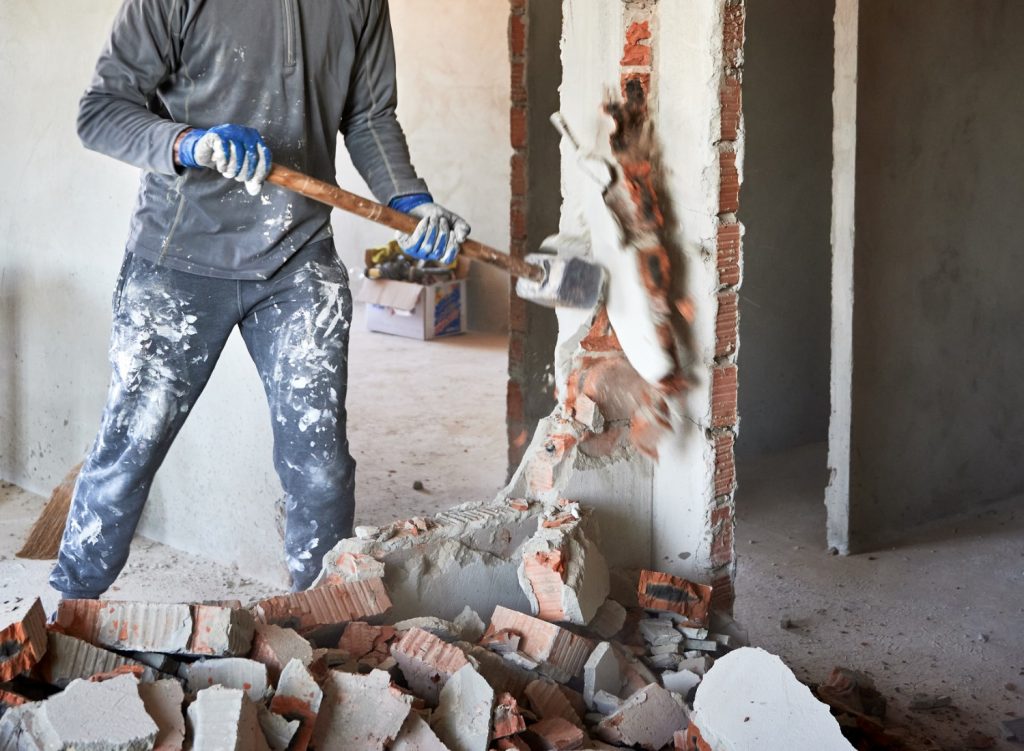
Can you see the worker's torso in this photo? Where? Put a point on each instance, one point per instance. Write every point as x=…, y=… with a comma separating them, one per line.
x=282, y=67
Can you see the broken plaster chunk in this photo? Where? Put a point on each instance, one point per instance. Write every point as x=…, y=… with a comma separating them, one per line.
x=221, y=631
x=298, y=697
x=681, y=682
x=347, y=568
x=278, y=731
x=232, y=672
x=658, y=633
x=608, y=620
x=463, y=718
x=427, y=663
x=163, y=701
x=325, y=606
x=558, y=734
x=68, y=658
x=649, y=719
x=750, y=699
x=275, y=647
x=601, y=672
x=439, y=627
x=560, y=653
x=502, y=642
x=360, y=712
x=105, y=715
x=416, y=735
x=588, y=414
x=22, y=639
x=470, y=626
x=659, y=591
x=606, y=703
x=134, y=626
x=501, y=674
x=224, y=718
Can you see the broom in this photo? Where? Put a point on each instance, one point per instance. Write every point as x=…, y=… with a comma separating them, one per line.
x=43, y=541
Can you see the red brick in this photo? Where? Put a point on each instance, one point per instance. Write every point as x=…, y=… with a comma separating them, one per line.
x=518, y=182
x=518, y=82
x=637, y=50
x=724, y=595
x=729, y=241
x=727, y=324
x=725, y=464
x=517, y=315
x=518, y=7
x=517, y=219
x=732, y=104
x=644, y=79
x=724, y=394
x=729, y=187
x=508, y=720
x=325, y=605
x=660, y=591
x=732, y=35
x=517, y=36
x=722, y=525
x=517, y=124
x=23, y=640
x=558, y=734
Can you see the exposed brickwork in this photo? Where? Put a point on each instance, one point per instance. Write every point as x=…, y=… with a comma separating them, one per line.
x=724, y=388
x=518, y=39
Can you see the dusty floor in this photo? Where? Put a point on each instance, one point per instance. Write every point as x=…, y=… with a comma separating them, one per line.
x=452, y=440
x=942, y=613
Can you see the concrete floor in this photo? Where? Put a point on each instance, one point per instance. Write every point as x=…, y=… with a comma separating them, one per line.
x=942, y=613
x=427, y=411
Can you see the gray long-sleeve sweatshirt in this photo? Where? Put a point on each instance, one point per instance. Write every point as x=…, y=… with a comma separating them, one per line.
x=299, y=71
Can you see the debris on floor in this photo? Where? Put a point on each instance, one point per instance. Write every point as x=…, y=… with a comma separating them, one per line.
x=365, y=661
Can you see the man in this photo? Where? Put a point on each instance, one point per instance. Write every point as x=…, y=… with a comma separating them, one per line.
x=203, y=95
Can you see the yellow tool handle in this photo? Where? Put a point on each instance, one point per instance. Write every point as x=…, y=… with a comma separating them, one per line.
x=334, y=196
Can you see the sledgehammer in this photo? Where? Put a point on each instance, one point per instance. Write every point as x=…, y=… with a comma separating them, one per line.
x=558, y=282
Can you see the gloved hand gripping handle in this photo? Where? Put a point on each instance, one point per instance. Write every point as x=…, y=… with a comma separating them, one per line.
x=339, y=198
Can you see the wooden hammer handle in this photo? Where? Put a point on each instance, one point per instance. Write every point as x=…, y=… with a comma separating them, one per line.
x=334, y=196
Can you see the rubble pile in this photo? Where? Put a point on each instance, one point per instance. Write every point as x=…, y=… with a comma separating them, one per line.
x=327, y=669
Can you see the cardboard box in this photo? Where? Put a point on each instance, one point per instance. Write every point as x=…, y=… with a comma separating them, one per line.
x=417, y=311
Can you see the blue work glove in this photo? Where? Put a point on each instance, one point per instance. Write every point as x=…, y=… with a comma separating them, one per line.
x=440, y=233
x=235, y=151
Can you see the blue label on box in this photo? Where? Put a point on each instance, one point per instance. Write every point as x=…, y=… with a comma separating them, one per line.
x=448, y=310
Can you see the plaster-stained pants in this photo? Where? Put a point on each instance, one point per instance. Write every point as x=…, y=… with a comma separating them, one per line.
x=169, y=329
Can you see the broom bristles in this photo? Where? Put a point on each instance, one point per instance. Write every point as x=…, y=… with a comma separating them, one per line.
x=43, y=540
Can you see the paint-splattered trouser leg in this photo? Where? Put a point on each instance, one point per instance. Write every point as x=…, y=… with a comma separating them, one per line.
x=169, y=328
x=296, y=328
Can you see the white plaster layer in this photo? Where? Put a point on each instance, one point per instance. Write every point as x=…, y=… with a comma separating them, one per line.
x=750, y=699
x=844, y=173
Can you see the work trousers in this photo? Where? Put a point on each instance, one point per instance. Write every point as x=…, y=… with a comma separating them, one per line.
x=169, y=329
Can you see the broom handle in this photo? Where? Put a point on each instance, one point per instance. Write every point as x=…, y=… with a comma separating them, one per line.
x=342, y=199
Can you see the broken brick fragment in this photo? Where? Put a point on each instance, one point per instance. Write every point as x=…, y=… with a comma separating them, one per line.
x=325, y=606
x=548, y=701
x=558, y=734
x=22, y=639
x=427, y=662
x=560, y=653
x=345, y=568
x=10, y=699
x=508, y=719
x=659, y=591
x=68, y=658
x=221, y=630
x=512, y=743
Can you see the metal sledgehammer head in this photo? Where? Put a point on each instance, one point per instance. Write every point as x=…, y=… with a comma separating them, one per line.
x=568, y=282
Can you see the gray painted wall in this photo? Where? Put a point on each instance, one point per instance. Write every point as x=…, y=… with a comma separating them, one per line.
x=938, y=402
x=786, y=206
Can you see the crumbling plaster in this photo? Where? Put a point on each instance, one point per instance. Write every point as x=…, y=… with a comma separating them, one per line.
x=657, y=513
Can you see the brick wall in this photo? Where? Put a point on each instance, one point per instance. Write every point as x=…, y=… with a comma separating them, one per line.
x=724, y=391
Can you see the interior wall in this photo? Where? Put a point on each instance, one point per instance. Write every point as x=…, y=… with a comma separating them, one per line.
x=938, y=411
x=64, y=221
x=786, y=208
